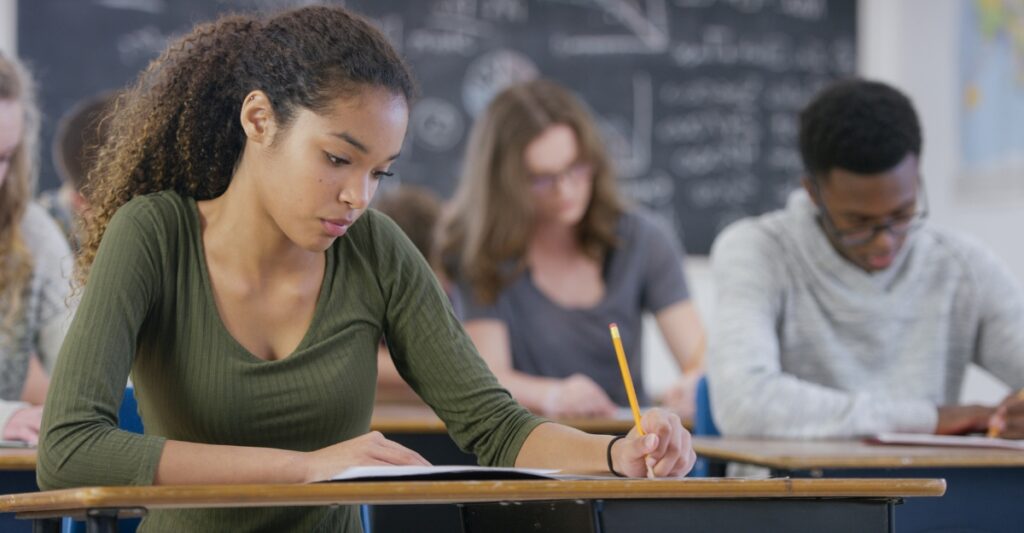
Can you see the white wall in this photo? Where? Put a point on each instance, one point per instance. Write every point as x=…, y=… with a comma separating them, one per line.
x=8, y=20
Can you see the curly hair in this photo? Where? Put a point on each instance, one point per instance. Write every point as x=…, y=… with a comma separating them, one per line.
x=858, y=125
x=16, y=85
x=491, y=217
x=178, y=128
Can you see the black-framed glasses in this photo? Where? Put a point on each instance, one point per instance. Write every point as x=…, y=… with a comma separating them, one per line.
x=898, y=226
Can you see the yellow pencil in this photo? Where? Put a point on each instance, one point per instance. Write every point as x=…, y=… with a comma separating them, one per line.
x=994, y=431
x=627, y=379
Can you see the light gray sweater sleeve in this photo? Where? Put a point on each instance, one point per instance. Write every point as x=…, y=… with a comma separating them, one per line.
x=751, y=394
x=1000, y=346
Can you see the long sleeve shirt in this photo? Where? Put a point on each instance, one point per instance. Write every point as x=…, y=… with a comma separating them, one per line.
x=149, y=309
x=804, y=344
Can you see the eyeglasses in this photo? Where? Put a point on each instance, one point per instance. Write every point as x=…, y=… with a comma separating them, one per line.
x=576, y=174
x=898, y=226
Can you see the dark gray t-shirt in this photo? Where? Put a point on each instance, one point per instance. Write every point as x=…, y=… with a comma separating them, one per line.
x=644, y=273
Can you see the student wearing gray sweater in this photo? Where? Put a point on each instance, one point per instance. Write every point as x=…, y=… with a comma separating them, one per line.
x=843, y=314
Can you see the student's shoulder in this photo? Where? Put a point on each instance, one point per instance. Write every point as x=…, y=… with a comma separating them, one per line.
x=641, y=227
x=762, y=235
x=155, y=210
x=958, y=250
x=374, y=227
x=377, y=234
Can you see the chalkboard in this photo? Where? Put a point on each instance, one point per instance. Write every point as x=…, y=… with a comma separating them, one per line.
x=697, y=98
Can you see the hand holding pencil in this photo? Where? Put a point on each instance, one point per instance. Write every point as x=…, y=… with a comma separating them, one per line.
x=1008, y=420
x=658, y=445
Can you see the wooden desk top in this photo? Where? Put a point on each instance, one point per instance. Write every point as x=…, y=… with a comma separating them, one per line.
x=17, y=459
x=418, y=418
x=808, y=455
x=423, y=492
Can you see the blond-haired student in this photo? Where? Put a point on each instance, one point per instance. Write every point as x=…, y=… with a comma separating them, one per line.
x=35, y=265
x=546, y=254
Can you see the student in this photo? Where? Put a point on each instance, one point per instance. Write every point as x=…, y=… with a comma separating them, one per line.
x=546, y=255
x=231, y=265
x=844, y=314
x=79, y=133
x=34, y=268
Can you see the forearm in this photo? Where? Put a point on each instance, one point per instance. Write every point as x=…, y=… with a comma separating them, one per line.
x=802, y=409
x=552, y=445
x=681, y=327
x=532, y=392
x=188, y=463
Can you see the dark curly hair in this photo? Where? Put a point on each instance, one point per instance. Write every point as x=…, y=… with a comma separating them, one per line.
x=178, y=128
x=857, y=125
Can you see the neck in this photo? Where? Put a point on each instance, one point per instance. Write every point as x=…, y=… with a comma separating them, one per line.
x=241, y=234
x=554, y=239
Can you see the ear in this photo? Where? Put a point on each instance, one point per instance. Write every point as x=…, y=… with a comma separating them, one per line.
x=257, y=118
x=809, y=187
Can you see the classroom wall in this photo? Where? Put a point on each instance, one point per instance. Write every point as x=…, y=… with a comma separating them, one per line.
x=913, y=45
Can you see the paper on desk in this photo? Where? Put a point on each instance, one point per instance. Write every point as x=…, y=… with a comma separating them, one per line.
x=919, y=439
x=440, y=473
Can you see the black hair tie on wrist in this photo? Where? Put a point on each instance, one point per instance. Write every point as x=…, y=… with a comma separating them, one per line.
x=609, y=455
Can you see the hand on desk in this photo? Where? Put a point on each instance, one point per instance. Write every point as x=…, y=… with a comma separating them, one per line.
x=578, y=396
x=666, y=446
x=24, y=425
x=365, y=450
x=1008, y=420
x=963, y=419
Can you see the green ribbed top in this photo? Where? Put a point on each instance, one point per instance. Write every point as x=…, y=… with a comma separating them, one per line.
x=148, y=309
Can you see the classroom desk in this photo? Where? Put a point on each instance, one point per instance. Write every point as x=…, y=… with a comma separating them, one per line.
x=570, y=506
x=415, y=426
x=17, y=459
x=17, y=474
x=986, y=486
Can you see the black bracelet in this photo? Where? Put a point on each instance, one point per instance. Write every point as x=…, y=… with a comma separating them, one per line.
x=609, y=455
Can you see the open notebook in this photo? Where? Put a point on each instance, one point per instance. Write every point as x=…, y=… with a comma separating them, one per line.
x=441, y=473
x=917, y=439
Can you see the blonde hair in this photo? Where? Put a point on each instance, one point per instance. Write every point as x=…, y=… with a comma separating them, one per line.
x=15, y=257
x=491, y=218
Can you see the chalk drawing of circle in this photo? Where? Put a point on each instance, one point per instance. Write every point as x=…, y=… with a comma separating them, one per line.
x=437, y=124
x=491, y=73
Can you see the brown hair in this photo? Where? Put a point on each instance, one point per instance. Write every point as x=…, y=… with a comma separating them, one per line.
x=415, y=210
x=491, y=217
x=15, y=258
x=178, y=128
x=80, y=133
